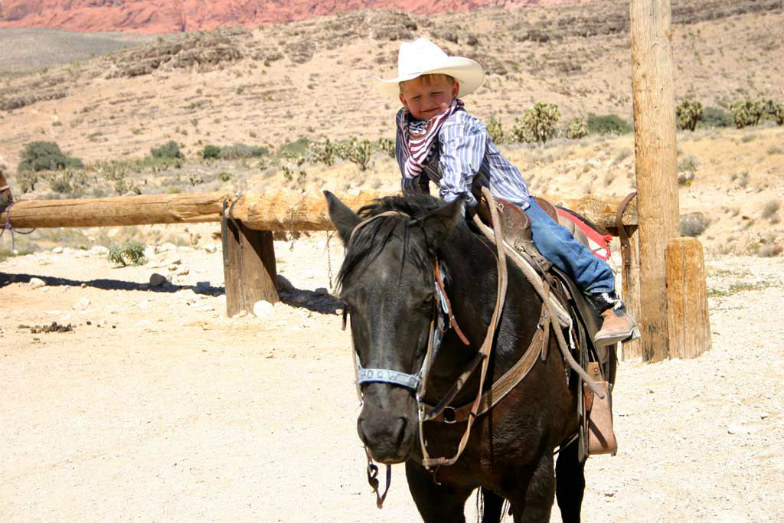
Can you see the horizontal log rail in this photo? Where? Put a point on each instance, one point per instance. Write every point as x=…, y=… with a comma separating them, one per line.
x=280, y=210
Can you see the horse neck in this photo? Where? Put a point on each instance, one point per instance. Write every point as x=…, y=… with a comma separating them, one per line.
x=472, y=267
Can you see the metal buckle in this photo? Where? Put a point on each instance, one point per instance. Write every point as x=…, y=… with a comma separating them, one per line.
x=449, y=415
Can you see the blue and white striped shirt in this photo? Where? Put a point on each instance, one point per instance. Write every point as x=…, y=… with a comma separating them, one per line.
x=465, y=157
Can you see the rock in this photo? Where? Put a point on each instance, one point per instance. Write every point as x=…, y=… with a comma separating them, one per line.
x=82, y=304
x=166, y=247
x=211, y=248
x=322, y=291
x=157, y=280
x=57, y=250
x=37, y=283
x=99, y=250
x=263, y=309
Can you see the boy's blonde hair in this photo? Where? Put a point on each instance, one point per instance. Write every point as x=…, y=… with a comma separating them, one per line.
x=429, y=78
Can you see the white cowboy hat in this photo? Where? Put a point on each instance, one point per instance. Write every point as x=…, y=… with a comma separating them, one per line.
x=422, y=57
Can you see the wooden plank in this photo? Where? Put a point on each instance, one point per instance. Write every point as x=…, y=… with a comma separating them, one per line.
x=655, y=163
x=687, y=299
x=248, y=267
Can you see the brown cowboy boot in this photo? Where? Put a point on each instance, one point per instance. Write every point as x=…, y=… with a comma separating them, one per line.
x=618, y=325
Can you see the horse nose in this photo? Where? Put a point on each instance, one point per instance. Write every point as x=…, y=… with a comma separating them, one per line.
x=383, y=436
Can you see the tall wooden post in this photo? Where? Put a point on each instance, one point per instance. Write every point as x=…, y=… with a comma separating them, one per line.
x=655, y=163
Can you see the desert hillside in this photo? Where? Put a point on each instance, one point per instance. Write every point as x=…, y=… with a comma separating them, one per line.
x=294, y=85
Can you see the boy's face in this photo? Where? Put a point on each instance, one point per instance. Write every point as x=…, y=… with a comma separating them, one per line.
x=429, y=95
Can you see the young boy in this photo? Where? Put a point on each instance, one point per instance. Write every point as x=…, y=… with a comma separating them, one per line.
x=438, y=141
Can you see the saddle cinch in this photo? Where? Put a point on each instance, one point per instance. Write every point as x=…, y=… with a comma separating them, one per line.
x=596, y=430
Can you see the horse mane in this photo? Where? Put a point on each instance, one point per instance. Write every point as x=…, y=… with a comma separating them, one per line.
x=370, y=240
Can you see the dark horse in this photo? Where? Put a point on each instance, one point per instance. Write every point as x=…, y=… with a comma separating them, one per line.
x=387, y=286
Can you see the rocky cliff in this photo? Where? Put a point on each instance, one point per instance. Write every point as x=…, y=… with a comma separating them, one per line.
x=168, y=16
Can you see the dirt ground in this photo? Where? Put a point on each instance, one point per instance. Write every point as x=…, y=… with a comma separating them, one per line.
x=156, y=407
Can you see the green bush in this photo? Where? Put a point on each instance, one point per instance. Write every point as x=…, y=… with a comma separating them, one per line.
x=775, y=111
x=688, y=113
x=170, y=149
x=607, y=124
x=496, y=130
x=356, y=151
x=693, y=224
x=211, y=151
x=747, y=113
x=576, y=129
x=239, y=151
x=325, y=152
x=295, y=149
x=387, y=146
x=45, y=156
x=130, y=252
x=716, y=117
x=538, y=123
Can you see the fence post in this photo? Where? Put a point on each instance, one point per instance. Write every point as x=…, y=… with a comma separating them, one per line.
x=248, y=267
x=687, y=300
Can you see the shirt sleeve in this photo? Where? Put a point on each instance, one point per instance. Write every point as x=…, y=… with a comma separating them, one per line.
x=462, y=148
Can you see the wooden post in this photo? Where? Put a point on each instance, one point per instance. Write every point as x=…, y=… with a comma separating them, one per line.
x=248, y=267
x=631, y=289
x=687, y=299
x=655, y=164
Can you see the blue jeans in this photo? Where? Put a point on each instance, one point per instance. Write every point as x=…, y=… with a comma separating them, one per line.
x=556, y=243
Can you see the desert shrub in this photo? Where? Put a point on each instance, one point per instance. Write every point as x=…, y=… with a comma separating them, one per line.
x=296, y=149
x=27, y=180
x=747, y=112
x=239, y=151
x=688, y=113
x=211, y=151
x=324, y=152
x=356, y=151
x=170, y=149
x=775, y=111
x=716, y=117
x=770, y=209
x=45, y=156
x=496, y=130
x=224, y=176
x=607, y=124
x=387, y=146
x=689, y=163
x=693, y=224
x=131, y=252
x=576, y=129
x=537, y=124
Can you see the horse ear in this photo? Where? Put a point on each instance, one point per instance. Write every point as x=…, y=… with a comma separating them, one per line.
x=440, y=224
x=343, y=218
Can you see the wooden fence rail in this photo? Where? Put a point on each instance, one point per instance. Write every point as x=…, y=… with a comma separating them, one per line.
x=249, y=256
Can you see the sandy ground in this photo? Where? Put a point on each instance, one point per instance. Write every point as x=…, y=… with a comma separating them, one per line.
x=156, y=407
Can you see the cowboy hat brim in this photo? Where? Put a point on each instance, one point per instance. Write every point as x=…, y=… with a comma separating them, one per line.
x=466, y=71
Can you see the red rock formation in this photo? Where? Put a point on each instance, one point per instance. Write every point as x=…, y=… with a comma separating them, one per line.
x=167, y=16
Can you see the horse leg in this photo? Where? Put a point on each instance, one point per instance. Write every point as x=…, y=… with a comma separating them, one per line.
x=492, y=504
x=435, y=502
x=534, y=499
x=570, y=482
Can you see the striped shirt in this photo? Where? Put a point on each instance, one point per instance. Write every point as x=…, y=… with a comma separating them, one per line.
x=464, y=157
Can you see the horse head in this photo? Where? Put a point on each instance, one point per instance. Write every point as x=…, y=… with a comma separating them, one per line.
x=387, y=287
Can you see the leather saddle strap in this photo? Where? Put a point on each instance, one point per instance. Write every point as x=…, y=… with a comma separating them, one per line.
x=511, y=378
